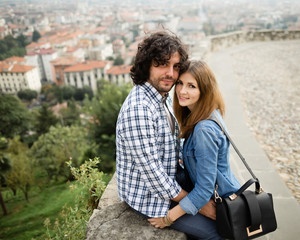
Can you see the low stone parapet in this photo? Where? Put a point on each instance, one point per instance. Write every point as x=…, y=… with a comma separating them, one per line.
x=221, y=41
x=115, y=220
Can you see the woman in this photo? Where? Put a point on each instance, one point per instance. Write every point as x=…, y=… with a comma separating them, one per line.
x=206, y=149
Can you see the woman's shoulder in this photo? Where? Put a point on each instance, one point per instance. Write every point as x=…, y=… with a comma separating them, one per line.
x=210, y=125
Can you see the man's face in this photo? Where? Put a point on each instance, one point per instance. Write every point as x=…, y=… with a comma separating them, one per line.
x=164, y=76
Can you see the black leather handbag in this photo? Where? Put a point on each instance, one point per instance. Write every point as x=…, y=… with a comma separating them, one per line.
x=245, y=214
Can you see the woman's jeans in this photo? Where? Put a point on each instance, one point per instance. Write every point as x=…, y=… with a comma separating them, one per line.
x=196, y=227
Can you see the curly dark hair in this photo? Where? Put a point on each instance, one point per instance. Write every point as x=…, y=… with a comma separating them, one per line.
x=158, y=47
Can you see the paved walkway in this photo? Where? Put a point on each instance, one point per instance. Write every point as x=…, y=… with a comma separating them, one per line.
x=287, y=208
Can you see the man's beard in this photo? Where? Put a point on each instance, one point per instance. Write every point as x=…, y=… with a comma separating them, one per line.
x=161, y=88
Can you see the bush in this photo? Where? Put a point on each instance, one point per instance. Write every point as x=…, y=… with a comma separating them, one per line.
x=73, y=220
x=27, y=94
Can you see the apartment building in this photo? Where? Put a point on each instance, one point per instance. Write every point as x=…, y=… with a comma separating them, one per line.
x=60, y=64
x=86, y=73
x=41, y=58
x=16, y=76
x=119, y=74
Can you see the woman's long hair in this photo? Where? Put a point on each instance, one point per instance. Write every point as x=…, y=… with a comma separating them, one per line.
x=209, y=100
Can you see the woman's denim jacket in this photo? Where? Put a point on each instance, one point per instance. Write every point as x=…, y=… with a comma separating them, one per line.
x=206, y=157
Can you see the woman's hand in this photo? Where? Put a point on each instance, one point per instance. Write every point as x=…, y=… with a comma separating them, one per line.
x=157, y=222
x=161, y=222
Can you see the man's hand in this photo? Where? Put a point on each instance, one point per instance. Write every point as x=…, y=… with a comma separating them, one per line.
x=209, y=210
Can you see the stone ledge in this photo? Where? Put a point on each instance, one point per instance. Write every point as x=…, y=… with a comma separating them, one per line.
x=115, y=220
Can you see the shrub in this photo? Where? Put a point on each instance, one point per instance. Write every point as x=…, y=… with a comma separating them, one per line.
x=73, y=220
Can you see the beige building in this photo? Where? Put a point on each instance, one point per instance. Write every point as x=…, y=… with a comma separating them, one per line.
x=119, y=74
x=15, y=76
x=86, y=73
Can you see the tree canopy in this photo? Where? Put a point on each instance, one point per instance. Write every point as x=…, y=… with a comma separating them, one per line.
x=53, y=149
x=10, y=46
x=27, y=94
x=36, y=36
x=21, y=175
x=14, y=116
x=104, y=109
x=44, y=118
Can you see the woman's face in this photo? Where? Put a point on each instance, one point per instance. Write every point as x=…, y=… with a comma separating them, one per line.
x=187, y=91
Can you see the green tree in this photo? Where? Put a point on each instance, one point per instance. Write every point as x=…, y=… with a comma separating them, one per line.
x=14, y=117
x=9, y=46
x=81, y=92
x=118, y=61
x=46, y=87
x=70, y=114
x=20, y=52
x=27, y=94
x=104, y=109
x=53, y=149
x=44, y=119
x=11, y=42
x=21, y=175
x=110, y=58
x=22, y=40
x=5, y=166
x=68, y=92
x=36, y=36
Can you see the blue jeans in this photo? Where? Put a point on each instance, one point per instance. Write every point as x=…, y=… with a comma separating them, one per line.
x=195, y=227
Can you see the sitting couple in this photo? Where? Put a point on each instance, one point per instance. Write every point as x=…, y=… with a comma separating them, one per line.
x=147, y=136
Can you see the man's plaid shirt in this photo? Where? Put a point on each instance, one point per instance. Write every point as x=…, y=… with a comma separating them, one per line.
x=146, y=153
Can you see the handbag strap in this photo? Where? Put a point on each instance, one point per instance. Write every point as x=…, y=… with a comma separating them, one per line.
x=254, y=209
x=214, y=118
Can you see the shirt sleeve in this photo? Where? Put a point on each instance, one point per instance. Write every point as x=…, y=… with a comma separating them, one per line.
x=139, y=133
x=206, y=154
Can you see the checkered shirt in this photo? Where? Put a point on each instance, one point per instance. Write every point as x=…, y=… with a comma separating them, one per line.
x=146, y=153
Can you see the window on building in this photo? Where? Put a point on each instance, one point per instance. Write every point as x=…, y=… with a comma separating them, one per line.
x=82, y=78
x=89, y=81
x=75, y=81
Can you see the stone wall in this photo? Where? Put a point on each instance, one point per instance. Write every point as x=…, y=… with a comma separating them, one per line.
x=222, y=41
x=114, y=220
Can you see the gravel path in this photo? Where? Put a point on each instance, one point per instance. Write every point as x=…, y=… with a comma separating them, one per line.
x=269, y=82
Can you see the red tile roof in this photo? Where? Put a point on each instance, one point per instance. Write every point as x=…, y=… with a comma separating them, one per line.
x=86, y=66
x=22, y=68
x=97, y=30
x=15, y=68
x=35, y=44
x=41, y=51
x=116, y=70
x=65, y=61
x=14, y=59
x=15, y=26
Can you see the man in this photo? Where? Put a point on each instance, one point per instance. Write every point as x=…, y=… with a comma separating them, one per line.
x=145, y=133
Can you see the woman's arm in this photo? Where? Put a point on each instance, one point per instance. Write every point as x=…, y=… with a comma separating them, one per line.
x=208, y=210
